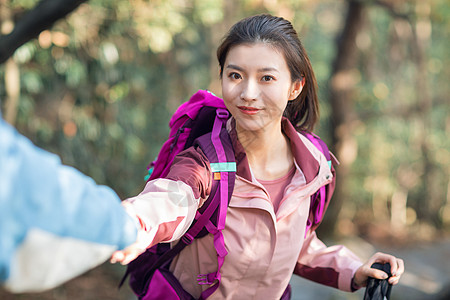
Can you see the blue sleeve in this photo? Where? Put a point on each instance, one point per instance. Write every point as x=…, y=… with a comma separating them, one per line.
x=55, y=209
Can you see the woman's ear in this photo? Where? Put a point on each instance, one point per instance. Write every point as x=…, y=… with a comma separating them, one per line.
x=296, y=88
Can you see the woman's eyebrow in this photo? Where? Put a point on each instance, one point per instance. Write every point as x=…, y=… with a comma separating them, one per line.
x=268, y=69
x=265, y=69
x=231, y=66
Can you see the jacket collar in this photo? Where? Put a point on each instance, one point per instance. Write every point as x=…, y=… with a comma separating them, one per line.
x=303, y=157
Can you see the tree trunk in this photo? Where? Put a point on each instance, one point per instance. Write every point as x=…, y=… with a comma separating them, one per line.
x=12, y=75
x=342, y=82
x=421, y=40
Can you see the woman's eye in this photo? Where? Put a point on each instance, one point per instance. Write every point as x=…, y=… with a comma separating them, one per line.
x=234, y=76
x=267, y=78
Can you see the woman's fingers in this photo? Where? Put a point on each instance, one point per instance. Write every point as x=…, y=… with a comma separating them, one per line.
x=365, y=271
x=127, y=255
x=375, y=273
x=398, y=273
x=394, y=280
x=400, y=267
x=397, y=266
x=117, y=256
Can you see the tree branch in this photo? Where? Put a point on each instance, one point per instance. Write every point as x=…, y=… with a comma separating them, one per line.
x=40, y=18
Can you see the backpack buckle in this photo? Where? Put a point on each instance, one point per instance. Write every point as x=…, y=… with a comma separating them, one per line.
x=222, y=113
x=187, y=238
x=206, y=279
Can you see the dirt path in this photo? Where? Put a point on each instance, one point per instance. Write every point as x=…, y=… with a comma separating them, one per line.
x=427, y=273
x=100, y=283
x=427, y=277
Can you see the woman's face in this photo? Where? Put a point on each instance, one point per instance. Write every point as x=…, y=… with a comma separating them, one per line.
x=256, y=85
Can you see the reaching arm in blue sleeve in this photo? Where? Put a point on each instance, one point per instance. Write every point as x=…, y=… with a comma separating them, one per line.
x=55, y=222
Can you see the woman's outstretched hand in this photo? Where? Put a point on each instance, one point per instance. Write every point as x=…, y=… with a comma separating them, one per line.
x=365, y=271
x=126, y=255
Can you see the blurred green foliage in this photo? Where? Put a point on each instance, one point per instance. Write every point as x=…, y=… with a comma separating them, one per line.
x=100, y=86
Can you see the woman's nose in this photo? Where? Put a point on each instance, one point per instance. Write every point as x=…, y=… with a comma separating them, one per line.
x=250, y=90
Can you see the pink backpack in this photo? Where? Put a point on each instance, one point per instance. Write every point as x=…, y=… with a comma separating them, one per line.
x=200, y=122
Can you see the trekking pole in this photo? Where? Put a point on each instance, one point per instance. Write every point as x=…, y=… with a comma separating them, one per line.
x=379, y=289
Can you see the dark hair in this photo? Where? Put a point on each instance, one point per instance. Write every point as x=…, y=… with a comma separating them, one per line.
x=302, y=112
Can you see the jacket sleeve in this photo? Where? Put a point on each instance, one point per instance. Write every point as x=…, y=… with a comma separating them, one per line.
x=55, y=222
x=166, y=207
x=332, y=266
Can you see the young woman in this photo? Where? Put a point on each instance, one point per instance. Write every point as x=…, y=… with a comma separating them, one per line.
x=269, y=88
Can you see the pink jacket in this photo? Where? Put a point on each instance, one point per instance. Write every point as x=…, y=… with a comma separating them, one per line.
x=264, y=247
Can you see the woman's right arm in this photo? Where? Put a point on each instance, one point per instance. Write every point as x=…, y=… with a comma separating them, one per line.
x=166, y=207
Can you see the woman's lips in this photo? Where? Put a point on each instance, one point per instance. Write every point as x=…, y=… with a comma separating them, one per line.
x=248, y=110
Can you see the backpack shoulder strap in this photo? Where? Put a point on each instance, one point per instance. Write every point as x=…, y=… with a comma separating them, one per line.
x=319, y=199
x=211, y=216
x=317, y=141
